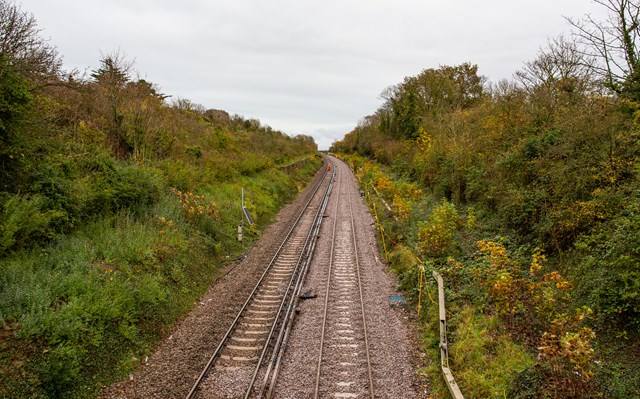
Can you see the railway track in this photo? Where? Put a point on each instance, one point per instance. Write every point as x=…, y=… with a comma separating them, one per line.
x=247, y=358
x=344, y=364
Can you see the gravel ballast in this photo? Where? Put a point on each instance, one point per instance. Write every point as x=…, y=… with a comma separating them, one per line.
x=173, y=369
x=392, y=336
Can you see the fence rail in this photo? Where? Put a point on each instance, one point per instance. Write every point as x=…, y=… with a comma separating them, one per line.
x=444, y=349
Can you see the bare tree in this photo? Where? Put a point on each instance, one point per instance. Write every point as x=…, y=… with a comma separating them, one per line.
x=614, y=44
x=21, y=45
x=562, y=65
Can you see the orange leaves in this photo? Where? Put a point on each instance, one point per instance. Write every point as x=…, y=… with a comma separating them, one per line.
x=164, y=222
x=194, y=206
x=515, y=292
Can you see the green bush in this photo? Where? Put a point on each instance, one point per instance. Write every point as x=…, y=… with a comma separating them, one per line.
x=23, y=219
x=124, y=187
x=58, y=373
x=436, y=235
x=608, y=274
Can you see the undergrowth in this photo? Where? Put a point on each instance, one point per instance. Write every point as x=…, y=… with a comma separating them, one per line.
x=518, y=326
x=83, y=309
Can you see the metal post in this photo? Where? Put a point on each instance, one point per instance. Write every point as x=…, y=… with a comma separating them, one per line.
x=241, y=227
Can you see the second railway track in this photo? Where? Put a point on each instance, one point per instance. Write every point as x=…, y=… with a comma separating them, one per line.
x=344, y=363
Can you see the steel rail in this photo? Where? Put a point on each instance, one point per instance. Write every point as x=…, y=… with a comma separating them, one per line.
x=234, y=324
x=289, y=295
x=326, y=302
x=271, y=375
x=326, y=295
x=364, y=318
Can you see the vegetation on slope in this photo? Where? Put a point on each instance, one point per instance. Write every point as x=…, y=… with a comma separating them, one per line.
x=117, y=209
x=524, y=194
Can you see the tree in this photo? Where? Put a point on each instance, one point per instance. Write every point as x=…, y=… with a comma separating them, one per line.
x=560, y=65
x=428, y=96
x=112, y=78
x=23, y=48
x=614, y=44
x=143, y=125
x=14, y=96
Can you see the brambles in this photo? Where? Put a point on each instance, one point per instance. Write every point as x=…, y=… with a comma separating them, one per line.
x=566, y=356
x=533, y=296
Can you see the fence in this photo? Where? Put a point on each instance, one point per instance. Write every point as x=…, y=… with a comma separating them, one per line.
x=444, y=349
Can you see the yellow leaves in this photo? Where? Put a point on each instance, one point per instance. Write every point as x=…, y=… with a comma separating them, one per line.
x=437, y=233
x=493, y=249
x=471, y=218
x=497, y=255
x=435, y=239
x=384, y=185
x=424, y=140
x=537, y=260
x=400, y=207
x=512, y=291
x=163, y=221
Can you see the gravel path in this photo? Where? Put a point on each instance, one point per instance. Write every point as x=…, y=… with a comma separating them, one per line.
x=392, y=337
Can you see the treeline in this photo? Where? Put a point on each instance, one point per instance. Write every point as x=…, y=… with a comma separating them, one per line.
x=539, y=181
x=117, y=205
x=71, y=141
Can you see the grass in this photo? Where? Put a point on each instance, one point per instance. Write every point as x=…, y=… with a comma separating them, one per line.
x=485, y=359
x=76, y=314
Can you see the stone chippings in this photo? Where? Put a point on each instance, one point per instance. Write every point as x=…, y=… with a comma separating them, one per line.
x=393, y=337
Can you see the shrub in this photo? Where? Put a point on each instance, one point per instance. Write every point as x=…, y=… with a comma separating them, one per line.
x=436, y=235
x=564, y=367
x=608, y=272
x=124, y=187
x=22, y=219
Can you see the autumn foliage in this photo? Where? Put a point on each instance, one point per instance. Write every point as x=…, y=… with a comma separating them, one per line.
x=526, y=199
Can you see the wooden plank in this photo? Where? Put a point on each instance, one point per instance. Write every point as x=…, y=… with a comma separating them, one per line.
x=441, y=307
x=451, y=383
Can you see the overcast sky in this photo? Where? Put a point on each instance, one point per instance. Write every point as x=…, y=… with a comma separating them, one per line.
x=302, y=67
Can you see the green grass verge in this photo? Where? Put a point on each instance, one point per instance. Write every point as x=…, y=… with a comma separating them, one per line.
x=80, y=312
